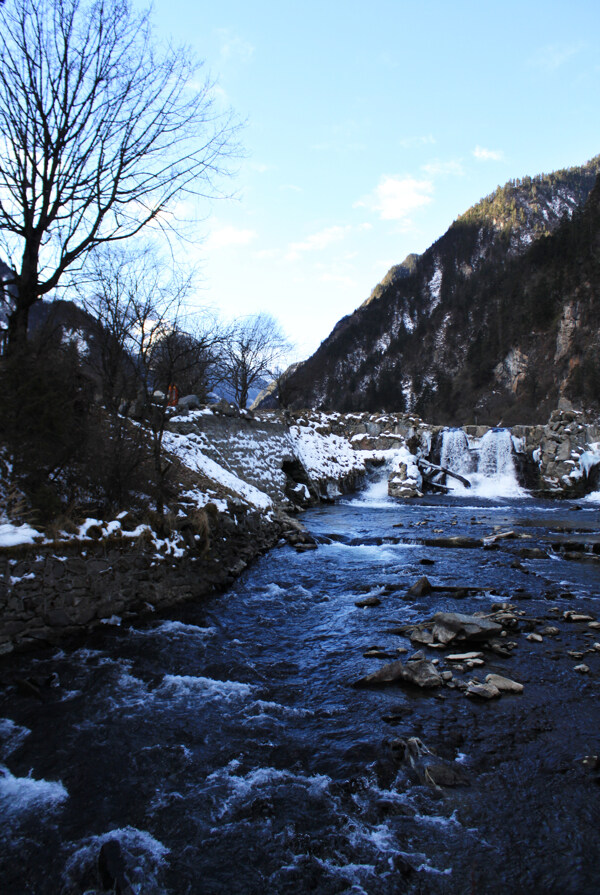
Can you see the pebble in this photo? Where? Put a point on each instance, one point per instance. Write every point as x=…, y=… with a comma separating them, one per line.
x=534, y=638
x=582, y=669
x=551, y=631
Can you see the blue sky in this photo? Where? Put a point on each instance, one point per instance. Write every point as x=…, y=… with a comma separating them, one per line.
x=370, y=126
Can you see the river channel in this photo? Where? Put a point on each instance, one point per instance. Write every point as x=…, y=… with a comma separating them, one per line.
x=227, y=751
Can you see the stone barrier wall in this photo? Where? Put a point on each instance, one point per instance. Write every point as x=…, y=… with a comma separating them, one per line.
x=47, y=591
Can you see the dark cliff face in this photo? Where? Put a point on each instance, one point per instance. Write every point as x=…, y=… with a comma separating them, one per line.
x=494, y=321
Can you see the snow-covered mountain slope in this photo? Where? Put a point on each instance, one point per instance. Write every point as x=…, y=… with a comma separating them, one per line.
x=449, y=333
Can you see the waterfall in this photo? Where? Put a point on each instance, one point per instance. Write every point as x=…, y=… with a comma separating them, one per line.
x=456, y=453
x=496, y=454
x=486, y=462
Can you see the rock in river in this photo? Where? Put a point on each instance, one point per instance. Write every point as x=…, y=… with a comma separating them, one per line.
x=455, y=625
x=419, y=673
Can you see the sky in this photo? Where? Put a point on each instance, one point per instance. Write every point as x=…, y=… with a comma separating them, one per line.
x=368, y=128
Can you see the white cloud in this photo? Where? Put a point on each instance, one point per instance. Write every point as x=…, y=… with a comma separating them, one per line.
x=321, y=240
x=552, y=56
x=412, y=142
x=234, y=48
x=229, y=236
x=438, y=168
x=395, y=198
x=316, y=242
x=488, y=155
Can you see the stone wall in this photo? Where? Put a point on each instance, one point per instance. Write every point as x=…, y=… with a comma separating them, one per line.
x=47, y=591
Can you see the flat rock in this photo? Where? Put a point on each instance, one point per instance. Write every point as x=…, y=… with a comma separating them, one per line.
x=570, y=616
x=532, y=553
x=464, y=657
x=454, y=542
x=504, y=684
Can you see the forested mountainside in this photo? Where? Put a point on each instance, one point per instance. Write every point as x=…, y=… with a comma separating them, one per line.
x=496, y=320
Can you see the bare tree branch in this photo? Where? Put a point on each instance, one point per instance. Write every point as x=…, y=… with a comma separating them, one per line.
x=100, y=134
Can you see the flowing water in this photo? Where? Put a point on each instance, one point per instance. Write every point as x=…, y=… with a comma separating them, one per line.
x=226, y=750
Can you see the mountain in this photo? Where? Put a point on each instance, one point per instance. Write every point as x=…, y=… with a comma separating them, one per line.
x=495, y=320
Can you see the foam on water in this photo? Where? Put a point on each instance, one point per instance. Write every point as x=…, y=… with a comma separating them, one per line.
x=183, y=686
x=11, y=736
x=19, y=794
x=144, y=856
x=175, y=628
x=241, y=787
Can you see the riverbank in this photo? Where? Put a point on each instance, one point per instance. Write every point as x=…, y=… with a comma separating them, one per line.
x=242, y=481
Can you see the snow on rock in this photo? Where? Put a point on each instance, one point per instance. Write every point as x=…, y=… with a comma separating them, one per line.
x=405, y=478
x=329, y=459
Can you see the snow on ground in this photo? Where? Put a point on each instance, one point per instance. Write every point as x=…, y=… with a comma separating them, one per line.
x=12, y=535
x=189, y=450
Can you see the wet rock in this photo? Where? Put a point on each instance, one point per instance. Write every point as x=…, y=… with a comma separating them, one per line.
x=422, y=636
x=483, y=691
x=466, y=627
x=551, y=631
x=419, y=673
x=454, y=542
x=464, y=657
x=368, y=602
x=420, y=588
x=428, y=767
x=571, y=616
x=504, y=684
x=534, y=638
x=375, y=652
x=582, y=669
x=532, y=553
x=111, y=867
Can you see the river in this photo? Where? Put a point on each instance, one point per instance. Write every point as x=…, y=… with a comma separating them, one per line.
x=227, y=751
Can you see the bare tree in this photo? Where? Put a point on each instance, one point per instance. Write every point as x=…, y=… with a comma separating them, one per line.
x=147, y=342
x=99, y=135
x=254, y=349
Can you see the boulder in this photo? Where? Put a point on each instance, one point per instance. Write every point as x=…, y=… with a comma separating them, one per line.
x=420, y=673
x=483, y=691
x=504, y=684
x=420, y=588
x=457, y=625
x=367, y=602
x=192, y=402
